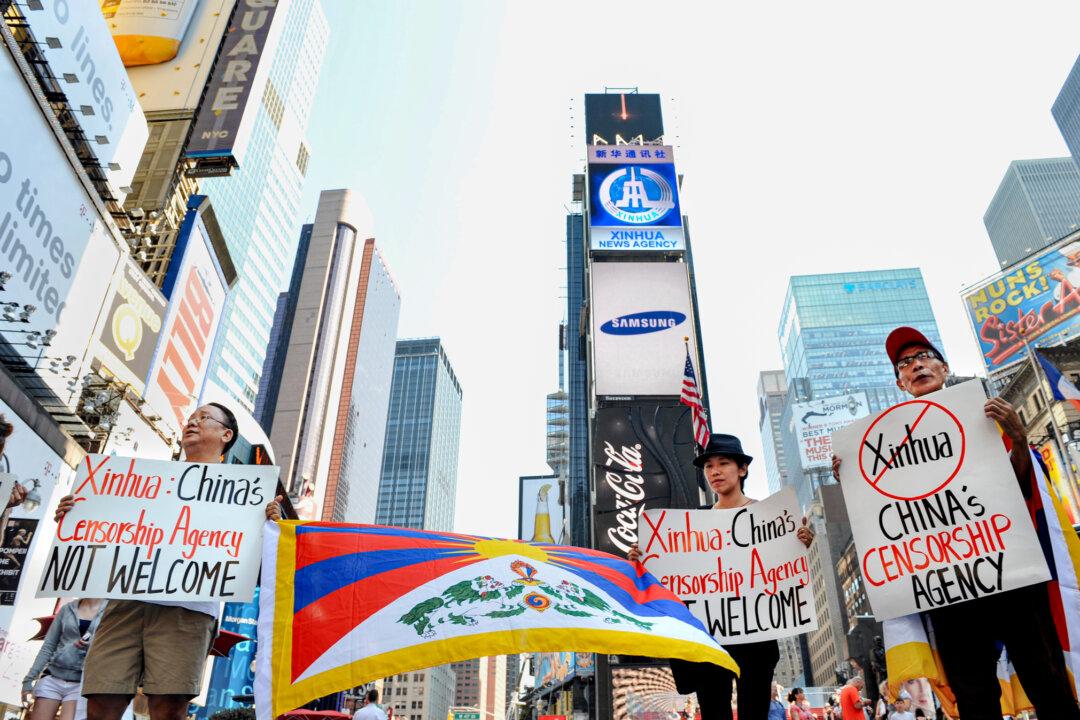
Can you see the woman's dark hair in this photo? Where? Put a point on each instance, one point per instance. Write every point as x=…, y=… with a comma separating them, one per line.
x=791, y=696
x=230, y=422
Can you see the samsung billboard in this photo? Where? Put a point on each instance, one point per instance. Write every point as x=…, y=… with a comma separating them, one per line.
x=640, y=312
x=634, y=199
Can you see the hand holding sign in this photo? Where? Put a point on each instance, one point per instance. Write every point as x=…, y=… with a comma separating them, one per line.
x=151, y=529
x=935, y=510
x=744, y=572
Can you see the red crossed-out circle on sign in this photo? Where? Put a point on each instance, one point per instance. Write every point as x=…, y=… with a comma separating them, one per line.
x=938, y=413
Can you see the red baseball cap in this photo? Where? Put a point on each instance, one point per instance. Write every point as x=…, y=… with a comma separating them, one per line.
x=901, y=338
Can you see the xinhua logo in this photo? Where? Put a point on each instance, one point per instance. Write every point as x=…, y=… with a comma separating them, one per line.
x=643, y=322
x=636, y=195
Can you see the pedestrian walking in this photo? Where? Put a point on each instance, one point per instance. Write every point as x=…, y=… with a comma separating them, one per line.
x=726, y=467
x=966, y=634
x=55, y=679
x=159, y=645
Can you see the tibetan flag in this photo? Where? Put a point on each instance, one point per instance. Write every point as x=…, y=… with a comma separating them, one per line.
x=1059, y=384
x=341, y=605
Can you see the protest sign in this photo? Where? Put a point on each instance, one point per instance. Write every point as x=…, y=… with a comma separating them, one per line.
x=742, y=572
x=160, y=530
x=936, y=513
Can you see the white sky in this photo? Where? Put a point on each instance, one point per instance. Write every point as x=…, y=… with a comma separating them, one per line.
x=814, y=137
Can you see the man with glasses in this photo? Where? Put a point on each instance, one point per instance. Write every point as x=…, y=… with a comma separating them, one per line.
x=159, y=645
x=968, y=636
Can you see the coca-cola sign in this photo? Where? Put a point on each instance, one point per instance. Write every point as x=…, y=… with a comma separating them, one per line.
x=642, y=457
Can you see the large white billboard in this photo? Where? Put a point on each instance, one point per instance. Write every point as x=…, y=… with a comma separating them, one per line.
x=179, y=83
x=58, y=251
x=196, y=293
x=640, y=314
x=815, y=422
x=83, y=59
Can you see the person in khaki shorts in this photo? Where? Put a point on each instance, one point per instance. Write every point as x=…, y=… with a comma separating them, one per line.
x=161, y=646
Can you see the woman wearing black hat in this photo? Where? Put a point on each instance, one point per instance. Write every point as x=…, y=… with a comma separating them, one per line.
x=726, y=466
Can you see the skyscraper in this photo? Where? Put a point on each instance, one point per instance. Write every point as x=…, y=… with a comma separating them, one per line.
x=258, y=205
x=1066, y=111
x=772, y=395
x=833, y=328
x=1036, y=204
x=420, y=455
x=828, y=644
x=577, y=473
x=332, y=364
x=832, y=339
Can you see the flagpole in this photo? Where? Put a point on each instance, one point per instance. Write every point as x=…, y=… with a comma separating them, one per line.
x=1040, y=378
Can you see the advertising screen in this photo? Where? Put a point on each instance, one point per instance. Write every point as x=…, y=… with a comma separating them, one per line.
x=816, y=421
x=52, y=241
x=178, y=84
x=1037, y=301
x=541, y=510
x=130, y=332
x=634, y=199
x=82, y=57
x=197, y=291
x=224, y=120
x=642, y=457
x=648, y=693
x=615, y=118
x=641, y=312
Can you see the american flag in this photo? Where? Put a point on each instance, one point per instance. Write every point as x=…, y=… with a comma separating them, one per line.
x=691, y=396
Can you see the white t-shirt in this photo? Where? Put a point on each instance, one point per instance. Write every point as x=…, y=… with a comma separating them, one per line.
x=370, y=711
x=906, y=715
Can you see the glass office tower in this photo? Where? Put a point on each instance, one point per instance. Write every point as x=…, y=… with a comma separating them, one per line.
x=418, y=485
x=258, y=206
x=833, y=328
x=577, y=365
x=1066, y=112
x=1036, y=204
x=772, y=397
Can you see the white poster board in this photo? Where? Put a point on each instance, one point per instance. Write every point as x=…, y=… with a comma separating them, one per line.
x=741, y=572
x=160, y=530
x=935, y=508
x=816, y=420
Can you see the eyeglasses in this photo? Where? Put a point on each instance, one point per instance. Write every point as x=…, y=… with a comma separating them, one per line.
x=922, y=355
x=203, y=417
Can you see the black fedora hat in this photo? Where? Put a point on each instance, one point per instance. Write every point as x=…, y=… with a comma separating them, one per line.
x=722, y=444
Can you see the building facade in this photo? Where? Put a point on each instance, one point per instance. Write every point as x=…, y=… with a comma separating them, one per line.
x=420, y=695
x=577, y=365
x=1036, y=204
x=333, y=365
x=418, y=485
x=772, y=395
x=258, y=205
x=1066, y=112
x=833, y=328
x=827, y=645
x=467, y=678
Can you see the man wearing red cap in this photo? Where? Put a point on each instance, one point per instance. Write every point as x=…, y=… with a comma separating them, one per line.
x=968, y=635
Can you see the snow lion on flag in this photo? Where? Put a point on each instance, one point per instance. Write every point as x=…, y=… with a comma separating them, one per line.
x=341, y=605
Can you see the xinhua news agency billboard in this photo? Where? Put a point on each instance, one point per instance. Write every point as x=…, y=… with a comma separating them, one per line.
x=634, y=199
x=641, y=312
x=816, y=420
x=1036, y=301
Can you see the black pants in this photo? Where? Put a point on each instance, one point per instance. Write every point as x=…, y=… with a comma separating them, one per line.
x=712, y=683
x=966, y=635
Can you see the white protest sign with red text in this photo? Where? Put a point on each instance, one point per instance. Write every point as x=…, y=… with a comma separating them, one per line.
x=160, y=530
x=935, y=509
x=742, y=572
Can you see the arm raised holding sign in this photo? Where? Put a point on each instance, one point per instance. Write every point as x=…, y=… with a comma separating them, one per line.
x=967, y=629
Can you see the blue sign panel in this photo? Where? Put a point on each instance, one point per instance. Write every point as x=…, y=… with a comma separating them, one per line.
x=235, y=674
x=634, y=199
